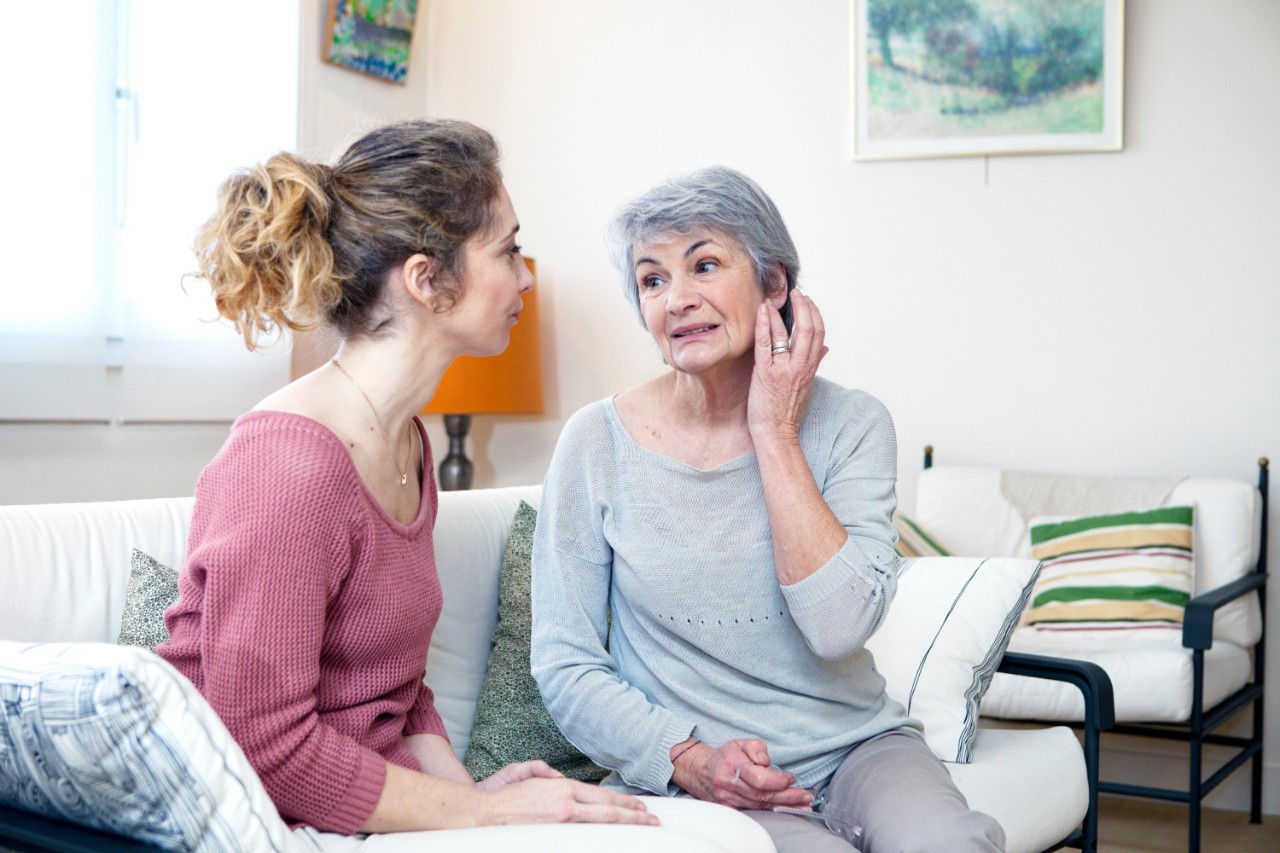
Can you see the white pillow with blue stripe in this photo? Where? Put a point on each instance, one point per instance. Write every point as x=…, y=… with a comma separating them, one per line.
x=114, y=738
x=944, y=636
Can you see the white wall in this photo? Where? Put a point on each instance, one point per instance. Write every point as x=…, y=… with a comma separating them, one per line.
x=1084, y=313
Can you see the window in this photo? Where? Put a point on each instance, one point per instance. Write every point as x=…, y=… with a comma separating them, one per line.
x=128, y=116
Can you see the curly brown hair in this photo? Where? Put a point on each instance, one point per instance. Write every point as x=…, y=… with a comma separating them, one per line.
x=294, y=244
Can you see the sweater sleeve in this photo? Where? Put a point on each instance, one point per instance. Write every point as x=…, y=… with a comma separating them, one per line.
x=423, y=718
x=602, y=715
x=271, y=543
x=840, y=606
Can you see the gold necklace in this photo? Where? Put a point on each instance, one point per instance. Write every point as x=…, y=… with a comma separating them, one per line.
x=402, y=471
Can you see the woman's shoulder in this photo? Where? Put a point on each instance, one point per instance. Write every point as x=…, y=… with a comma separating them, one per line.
x=282, y=430
x=594, y=438
x=593, y=418
x=838, y=401
x=291, y=451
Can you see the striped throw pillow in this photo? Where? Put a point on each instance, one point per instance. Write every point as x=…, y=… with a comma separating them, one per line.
x=1129, y=570
x=914, y=542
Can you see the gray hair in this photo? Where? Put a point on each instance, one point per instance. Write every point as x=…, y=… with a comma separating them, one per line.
x=718, y=199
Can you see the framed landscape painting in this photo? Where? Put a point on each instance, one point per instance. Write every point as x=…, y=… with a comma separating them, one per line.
x=967, y=78
x=371, y=36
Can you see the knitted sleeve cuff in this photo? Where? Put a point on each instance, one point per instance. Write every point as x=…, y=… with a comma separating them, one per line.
x=362, y=796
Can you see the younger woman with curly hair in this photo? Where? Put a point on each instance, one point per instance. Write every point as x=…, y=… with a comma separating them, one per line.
x=313, y=523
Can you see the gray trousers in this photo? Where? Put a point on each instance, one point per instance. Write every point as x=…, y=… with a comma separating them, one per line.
x=891, y=794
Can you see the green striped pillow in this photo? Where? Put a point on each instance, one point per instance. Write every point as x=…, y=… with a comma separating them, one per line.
x=914, y=542
x=1129, y=570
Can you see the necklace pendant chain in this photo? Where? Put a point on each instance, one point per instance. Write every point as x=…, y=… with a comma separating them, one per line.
x=402, y=470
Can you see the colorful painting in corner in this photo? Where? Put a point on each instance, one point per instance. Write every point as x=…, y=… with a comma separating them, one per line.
x=371, y=36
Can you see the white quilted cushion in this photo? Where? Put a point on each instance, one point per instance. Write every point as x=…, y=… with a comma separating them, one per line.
x=943, y=638
x=1150, y=673
x=470, y=539
x=114, y=738
x=1031, y=780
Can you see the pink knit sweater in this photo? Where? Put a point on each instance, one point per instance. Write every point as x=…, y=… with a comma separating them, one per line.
x=304, y=616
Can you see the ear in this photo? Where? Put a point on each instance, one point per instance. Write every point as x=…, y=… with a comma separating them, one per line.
x=776, y=293
x=417, y=276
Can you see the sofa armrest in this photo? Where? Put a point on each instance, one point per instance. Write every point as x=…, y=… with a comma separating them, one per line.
x=20, y=830
x=1099, y=715
x=1197, y=621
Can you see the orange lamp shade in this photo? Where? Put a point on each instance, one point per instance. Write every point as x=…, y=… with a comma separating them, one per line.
x=508, y=383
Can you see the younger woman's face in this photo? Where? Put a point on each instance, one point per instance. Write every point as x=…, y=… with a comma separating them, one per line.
x=494, y=276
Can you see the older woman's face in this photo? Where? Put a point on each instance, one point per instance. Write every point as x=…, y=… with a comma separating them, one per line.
x=699, y=297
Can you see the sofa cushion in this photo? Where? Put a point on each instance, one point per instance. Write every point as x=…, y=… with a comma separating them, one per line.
x=152, y=588
x=1151, y=674
x=913, y=541
x=1125, y=570
x=114, y=738
x=470, y=540
x=945, y=633
x=76, y=563
x=688, y=826
x=511, y=723
x=1033, y=781
x=1228, y=542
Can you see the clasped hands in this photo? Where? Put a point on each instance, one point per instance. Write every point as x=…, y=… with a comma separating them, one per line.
x=737, y=774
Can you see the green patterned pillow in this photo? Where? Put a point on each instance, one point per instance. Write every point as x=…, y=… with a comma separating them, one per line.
x=1129, y=570
x=511, y=723
x=914, y=542
x=152, y=588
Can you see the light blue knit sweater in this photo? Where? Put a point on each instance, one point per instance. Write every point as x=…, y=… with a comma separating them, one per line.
x=704, y=639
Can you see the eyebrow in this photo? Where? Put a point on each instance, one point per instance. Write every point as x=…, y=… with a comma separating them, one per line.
x=695, y=247
x=502, y=238
x=687, y=252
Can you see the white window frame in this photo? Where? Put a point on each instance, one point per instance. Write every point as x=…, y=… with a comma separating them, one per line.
x=141, y=350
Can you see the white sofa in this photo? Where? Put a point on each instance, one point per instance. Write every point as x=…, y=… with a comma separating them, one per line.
x=64, y=570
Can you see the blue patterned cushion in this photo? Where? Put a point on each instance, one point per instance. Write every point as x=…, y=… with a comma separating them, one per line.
x=114, y=738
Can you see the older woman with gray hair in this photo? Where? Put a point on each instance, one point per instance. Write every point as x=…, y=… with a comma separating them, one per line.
x=715, y=546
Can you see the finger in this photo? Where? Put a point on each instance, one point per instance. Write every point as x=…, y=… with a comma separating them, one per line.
x=593, y=794
x=521, y=770
x=819, y=328
x=777, y=329
x=543, y=770
x=803, y=330
x=603, y=813
x=766, y=778
x=751, y=748
x=614, y=806
x=764, y=341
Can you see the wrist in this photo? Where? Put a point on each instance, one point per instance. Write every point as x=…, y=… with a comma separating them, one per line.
x=775, y=433
x=687, y=759
x=681, y=749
